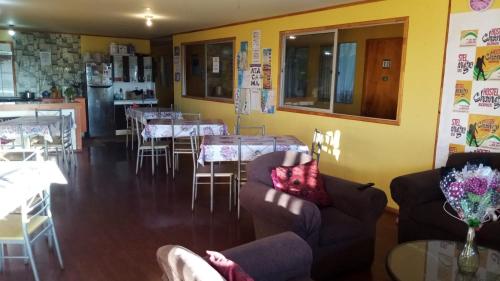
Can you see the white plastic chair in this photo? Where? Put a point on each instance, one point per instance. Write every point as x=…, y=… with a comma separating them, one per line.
x=316, y=145
x=34, y=221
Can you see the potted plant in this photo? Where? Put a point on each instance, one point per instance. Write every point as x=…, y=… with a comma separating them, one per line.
x=69, y=94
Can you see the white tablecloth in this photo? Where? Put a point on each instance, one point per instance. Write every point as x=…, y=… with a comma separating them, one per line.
x=225, y=148
x=30, y=126
x=162, y=128
x=20, y=181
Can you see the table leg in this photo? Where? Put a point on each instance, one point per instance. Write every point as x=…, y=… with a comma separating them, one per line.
x=45, y=149
x=211, y=187
x=152, y=157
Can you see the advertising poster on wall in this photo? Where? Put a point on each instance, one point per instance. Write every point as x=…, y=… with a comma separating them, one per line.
x=266, y=69
x=470, y=105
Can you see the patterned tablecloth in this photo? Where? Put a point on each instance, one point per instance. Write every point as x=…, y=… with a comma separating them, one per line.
x=21, y=180
x=225, y=148
x=149, y=113
x=162, y=128
x=30, y=126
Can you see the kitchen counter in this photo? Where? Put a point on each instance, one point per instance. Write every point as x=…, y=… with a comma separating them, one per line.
x=27, y=108
x=136, y=101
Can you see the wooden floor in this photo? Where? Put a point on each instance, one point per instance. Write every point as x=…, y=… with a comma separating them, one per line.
x=110, y=222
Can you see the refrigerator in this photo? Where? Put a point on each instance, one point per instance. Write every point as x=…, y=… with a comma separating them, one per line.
x=100, y=107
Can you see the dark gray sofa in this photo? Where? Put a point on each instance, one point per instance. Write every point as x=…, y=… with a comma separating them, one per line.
x=342, y=236
x=420, y=200
x=282, y=257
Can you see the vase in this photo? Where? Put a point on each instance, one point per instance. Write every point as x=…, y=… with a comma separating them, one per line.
x=468, y=261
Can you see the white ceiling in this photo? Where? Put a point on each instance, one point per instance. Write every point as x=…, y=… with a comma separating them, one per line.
x=126, y=17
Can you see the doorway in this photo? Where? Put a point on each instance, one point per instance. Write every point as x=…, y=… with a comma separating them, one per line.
x=162, y=53
x=381, y=78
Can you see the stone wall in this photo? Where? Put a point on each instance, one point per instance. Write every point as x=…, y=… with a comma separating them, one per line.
x=66, y=63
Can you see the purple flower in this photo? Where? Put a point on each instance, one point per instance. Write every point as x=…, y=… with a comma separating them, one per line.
x=456, y=190
x=477, y=185
x=229, y=152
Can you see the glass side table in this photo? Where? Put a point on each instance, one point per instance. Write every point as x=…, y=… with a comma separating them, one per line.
x=436, y=260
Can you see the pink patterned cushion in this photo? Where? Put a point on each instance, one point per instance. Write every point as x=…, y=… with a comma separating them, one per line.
x=230, y=270
x=303, y=181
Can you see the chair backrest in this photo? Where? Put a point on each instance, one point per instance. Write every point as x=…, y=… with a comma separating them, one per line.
x=267, y=145
x=31, y=209
x=138, y=128
x=317, y=141
x=194, y=148
x=48, y=112
x=66, y=128
x=250, y=130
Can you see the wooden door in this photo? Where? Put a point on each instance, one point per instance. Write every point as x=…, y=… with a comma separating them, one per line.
x=161, y=51
x=381, y=77
x=195, y=70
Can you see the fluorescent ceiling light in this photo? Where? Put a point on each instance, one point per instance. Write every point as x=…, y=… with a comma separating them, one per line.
x=292, y=37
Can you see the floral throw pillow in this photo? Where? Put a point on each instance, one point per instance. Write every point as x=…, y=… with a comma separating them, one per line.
x=230, y=270
x=303, y=181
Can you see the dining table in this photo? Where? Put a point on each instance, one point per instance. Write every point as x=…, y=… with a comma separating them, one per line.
x=148, y=113
x=166, y=128
x=21, y=180
x=226, y=148
x=26, y=127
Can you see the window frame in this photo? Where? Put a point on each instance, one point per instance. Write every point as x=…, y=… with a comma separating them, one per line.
x=184, y=94
x=283, y=67
x=396, y=122
x=14, y=86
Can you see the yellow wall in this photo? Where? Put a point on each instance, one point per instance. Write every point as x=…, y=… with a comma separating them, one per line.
x=370, y=152
x=360, y=35
x=101, y=44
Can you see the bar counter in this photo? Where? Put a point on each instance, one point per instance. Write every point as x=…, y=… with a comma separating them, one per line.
x=26, y=108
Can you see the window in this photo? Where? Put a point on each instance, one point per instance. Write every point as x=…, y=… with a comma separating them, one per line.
x=209, y=70
x=348, y=71
x=7, y=88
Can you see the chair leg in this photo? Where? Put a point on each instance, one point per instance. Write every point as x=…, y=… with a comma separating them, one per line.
x=166, y=160
x=1, y=257
x=142, y=157
x=56, y=245
x=193, y=191
x=27, y=246
x=137, y=162
x=152, y=161
x=230, y=192
x=238, y=198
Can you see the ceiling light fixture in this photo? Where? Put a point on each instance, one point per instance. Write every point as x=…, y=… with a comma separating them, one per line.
x=149, y=17
x=11, y=30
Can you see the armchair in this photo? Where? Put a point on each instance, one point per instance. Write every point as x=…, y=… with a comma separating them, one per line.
x=341, y=236
x=420, y=200
x=268, y=259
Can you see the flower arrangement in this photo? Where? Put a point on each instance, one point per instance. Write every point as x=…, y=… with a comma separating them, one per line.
x=474, y=193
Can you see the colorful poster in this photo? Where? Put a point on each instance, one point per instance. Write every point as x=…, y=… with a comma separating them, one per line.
x=491, y=37
x=483, y=131
x=268, y=101
x=242, y=101
x=256, y=46
x=487, y=66
x=468, y=38
x=485, y=97
x=266, y=69
x=243, y=56
x=255, y=103
x=463, y=91
x=470, y=103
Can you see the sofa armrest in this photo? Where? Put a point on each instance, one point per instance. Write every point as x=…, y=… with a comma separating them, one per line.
x=413, y=189
x=366, y=205
x=283, y=211
x=280, y=257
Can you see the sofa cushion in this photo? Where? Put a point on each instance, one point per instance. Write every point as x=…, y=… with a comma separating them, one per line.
x=230, y=270
x=432, y=214
x=337, y=227
x=303, y=181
